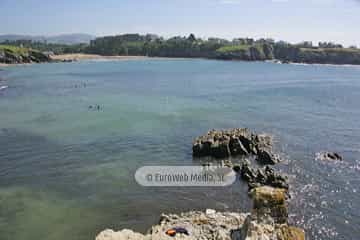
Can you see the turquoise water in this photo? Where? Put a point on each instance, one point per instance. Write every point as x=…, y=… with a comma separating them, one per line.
x=67, y=171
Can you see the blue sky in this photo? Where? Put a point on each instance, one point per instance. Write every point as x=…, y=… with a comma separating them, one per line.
x=291, y=20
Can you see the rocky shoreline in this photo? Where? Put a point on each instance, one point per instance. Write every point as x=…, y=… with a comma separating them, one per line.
x=235, y=142
x=17, y=55
x=242, y=145
x=268, y=219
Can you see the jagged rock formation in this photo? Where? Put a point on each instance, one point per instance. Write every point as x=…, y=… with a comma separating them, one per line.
x=262, y=177
x=270, y=201
x=329, y=156
x=17, y=55
x=200, y=225
x=242, y=142
x=235, y=142
x=268, y=220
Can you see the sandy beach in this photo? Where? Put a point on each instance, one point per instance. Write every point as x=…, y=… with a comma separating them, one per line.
x=82, y=56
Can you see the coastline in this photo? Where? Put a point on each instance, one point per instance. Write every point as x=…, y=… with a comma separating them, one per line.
x=268, y=219
x=115, y=66
x=73, y=57
x=84, y=56
x=13, y=64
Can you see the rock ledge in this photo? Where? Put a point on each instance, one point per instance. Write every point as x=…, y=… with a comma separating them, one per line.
x=267, y=221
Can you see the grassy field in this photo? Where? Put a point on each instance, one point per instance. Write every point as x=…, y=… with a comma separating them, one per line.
x=14, y=49
x=233, y=48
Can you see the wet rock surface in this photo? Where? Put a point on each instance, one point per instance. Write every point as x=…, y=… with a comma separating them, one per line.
x=329, y=156
x=242, y=142
x=262, y=177
x=235, y=142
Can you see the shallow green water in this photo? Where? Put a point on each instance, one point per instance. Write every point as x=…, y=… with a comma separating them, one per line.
x=66, y=170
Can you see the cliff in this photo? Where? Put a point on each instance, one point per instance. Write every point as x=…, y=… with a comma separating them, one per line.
x=19, y=55
x=214, y=48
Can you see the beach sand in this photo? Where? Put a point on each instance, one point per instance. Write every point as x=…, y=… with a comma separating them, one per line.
x=82, y=56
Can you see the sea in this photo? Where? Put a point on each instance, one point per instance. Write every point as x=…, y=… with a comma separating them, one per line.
x=72, y=136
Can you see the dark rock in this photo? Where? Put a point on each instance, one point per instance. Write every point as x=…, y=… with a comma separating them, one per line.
x=203, y=148
x=220, y=149
x=247, y=173
x=40, y=57
x=236, y=147
x=232, y=142
x=263, y=141
x=329, y=156
x=249, y=142
x=68, y=60
x=237, y=168
x=262, y=177
x=265, y=156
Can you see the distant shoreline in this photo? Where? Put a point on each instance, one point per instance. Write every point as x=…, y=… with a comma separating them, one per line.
x=73, y=57
x=13, y=64
x=84, y=56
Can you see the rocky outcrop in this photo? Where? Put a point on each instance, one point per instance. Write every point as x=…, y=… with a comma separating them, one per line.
x=285, y=232
x=125, y=234
x=244, y=143
x=255, y=230
x=329, y=156
x=269, y=201
x=15, y=55
x=267, y=220
x=262, y=177
x=235, y=142
x=199, y=225
x=255, y=52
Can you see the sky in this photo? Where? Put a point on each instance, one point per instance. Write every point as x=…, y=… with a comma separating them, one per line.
x=289, y=20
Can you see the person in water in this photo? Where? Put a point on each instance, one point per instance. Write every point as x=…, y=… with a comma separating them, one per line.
x=97, y=107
